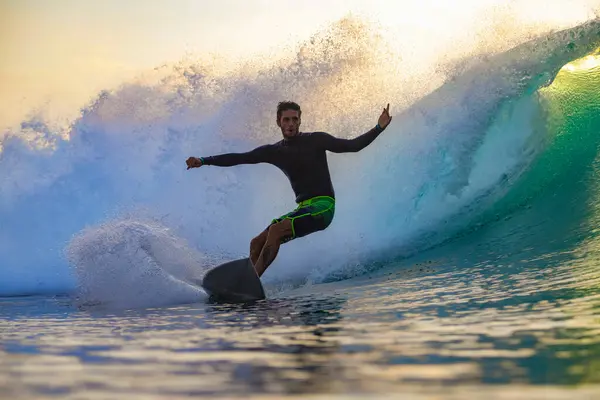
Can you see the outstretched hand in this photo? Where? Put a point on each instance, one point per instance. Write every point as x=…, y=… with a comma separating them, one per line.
x=385, y=118
x=193, y=162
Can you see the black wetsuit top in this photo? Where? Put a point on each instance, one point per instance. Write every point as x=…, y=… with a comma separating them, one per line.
x=302, y=159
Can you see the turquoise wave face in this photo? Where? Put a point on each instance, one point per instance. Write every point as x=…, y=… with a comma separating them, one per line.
x=563, y=179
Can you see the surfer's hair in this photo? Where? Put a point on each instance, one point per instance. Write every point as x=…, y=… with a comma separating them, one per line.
x=287, y=105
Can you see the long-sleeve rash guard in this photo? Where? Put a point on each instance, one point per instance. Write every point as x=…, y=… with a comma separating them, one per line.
x=302, y=159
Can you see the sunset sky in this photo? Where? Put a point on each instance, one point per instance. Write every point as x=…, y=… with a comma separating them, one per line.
x=63, y=52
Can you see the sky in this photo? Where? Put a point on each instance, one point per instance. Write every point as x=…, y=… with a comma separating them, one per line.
x=62, y=52
x=69, y=49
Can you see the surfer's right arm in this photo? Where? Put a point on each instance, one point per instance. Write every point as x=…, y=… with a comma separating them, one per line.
x=258, y=155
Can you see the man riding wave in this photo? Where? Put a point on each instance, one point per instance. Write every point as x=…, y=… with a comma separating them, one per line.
x=302, y=158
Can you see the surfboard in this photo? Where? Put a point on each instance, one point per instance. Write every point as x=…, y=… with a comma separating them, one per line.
x=234, y=281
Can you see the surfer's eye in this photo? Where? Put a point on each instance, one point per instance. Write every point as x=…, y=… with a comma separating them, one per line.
x=290, y=119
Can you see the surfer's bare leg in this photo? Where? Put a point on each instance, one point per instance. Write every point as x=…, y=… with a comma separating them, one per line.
x=275, y=235
x=257, y=244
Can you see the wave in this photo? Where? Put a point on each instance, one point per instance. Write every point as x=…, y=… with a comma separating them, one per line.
x=450, y=154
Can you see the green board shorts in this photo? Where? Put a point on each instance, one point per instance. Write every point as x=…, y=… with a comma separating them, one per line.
x=312, y=215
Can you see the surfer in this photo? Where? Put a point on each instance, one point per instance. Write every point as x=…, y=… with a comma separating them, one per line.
x=302, y=158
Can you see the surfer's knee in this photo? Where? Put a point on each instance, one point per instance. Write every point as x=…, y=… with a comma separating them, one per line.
x=280, y=230
x=257, y=241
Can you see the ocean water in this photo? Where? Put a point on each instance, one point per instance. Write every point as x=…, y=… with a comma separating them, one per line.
x=463, y=261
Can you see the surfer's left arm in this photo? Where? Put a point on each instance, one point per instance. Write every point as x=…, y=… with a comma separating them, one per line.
x=339, y=145
x=258, y=155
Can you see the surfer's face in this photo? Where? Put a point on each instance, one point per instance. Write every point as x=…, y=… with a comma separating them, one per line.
x=289, y=122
